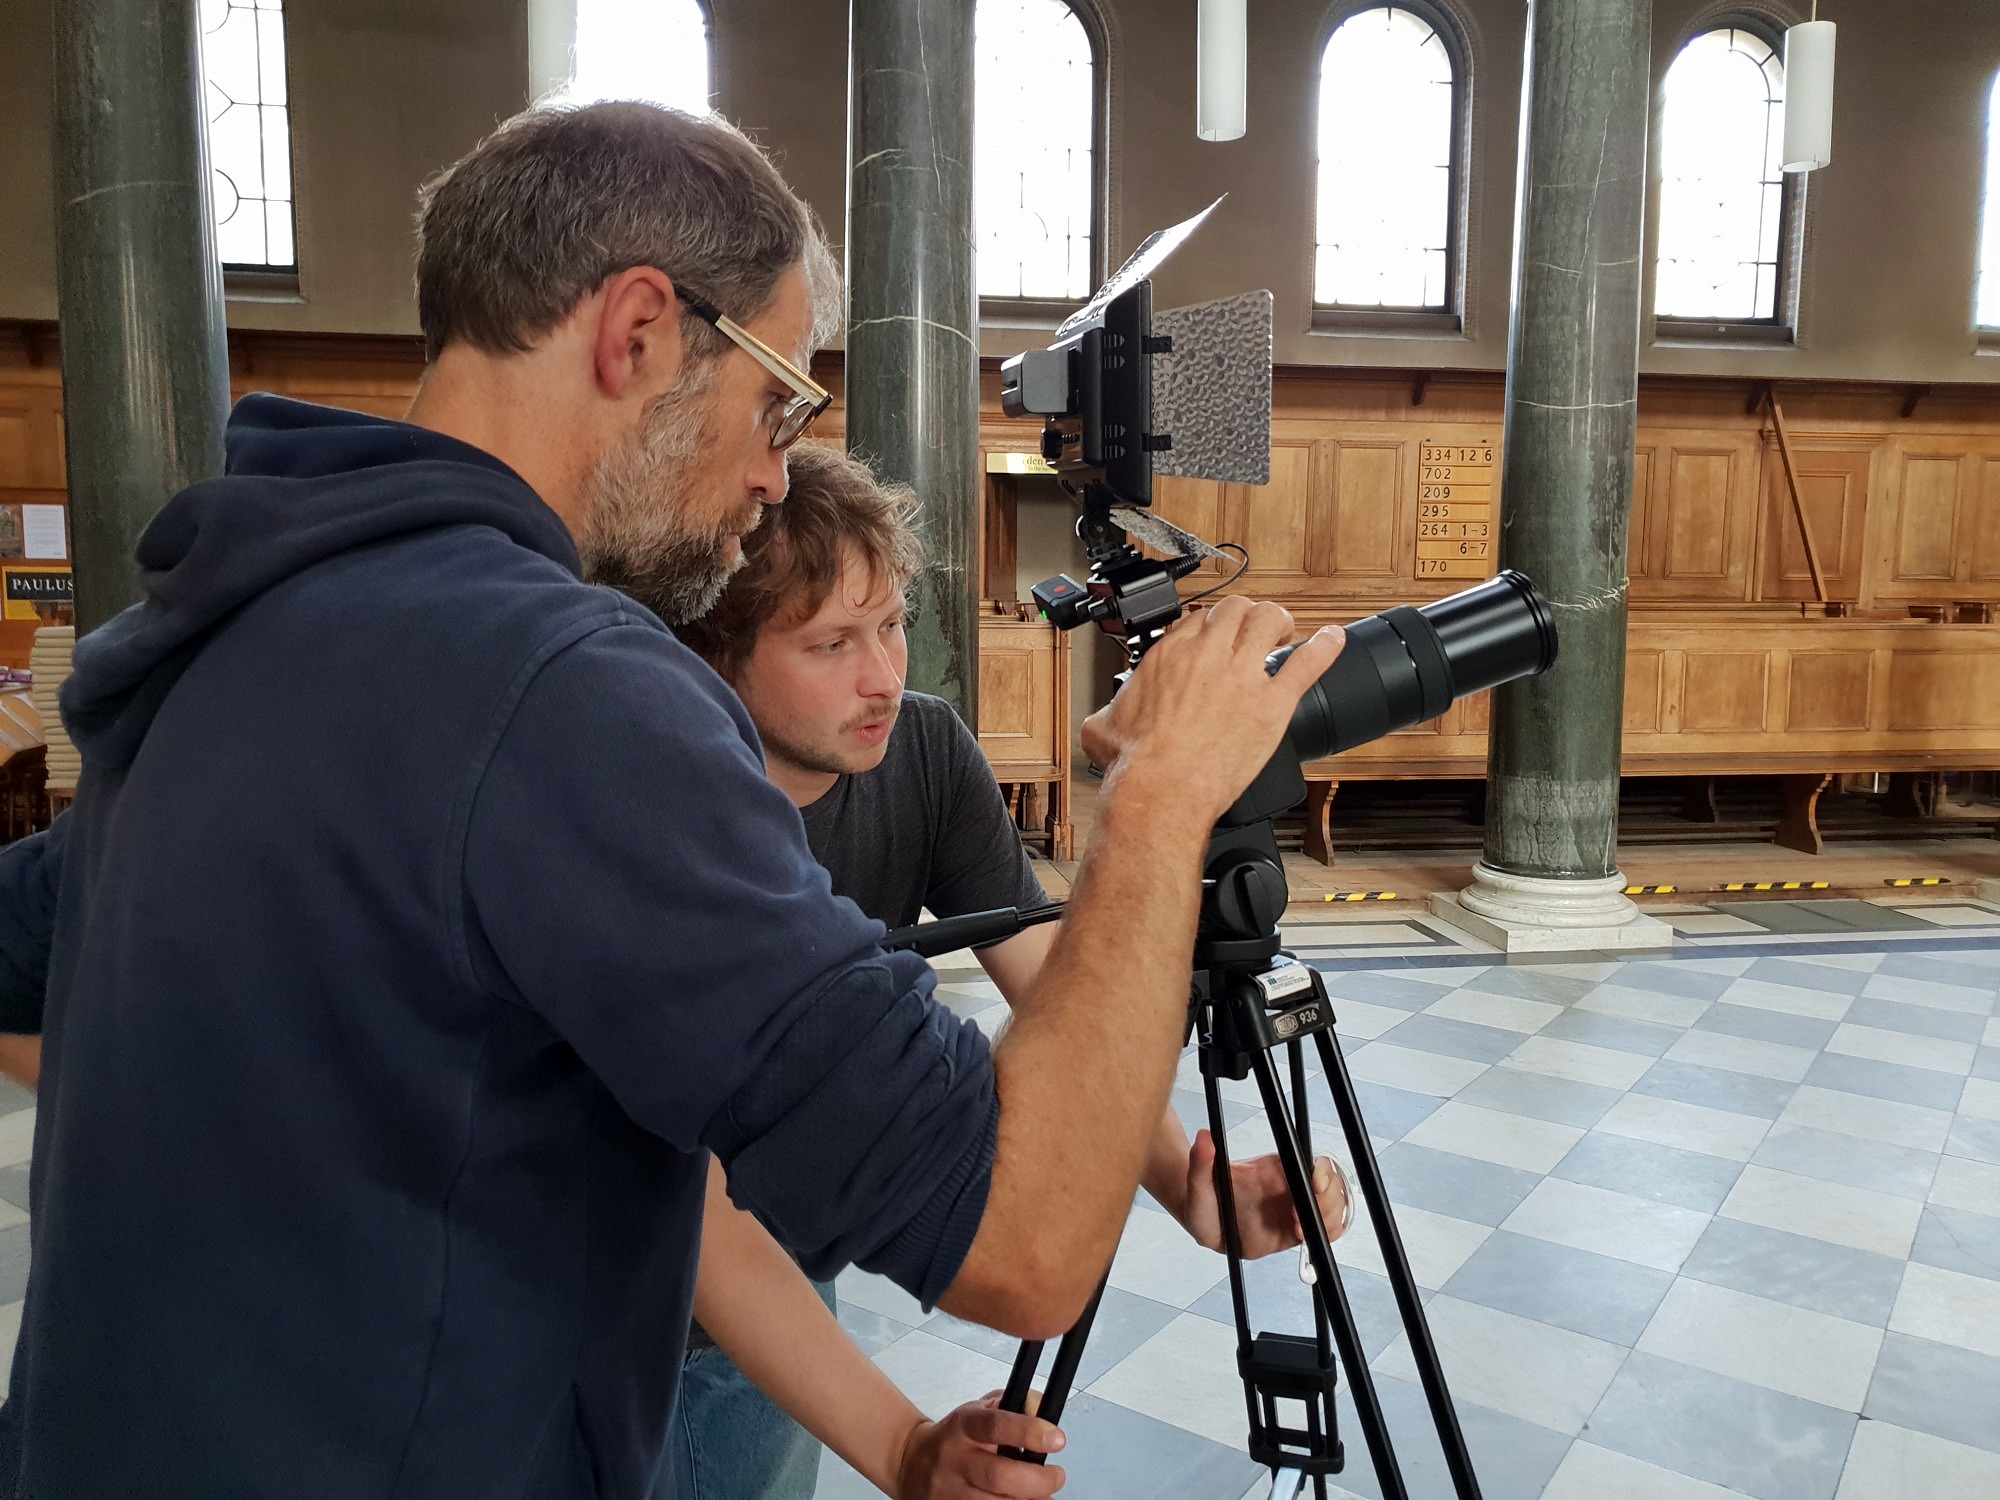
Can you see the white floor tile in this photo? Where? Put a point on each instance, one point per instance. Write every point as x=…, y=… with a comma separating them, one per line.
x=1740, y=1054
x=1787, y=999
x=1157, y=1259
x=1710, y=924
x=17, y=1137
x=1436, y=1244
x=1184, y=1375
x=937, y=1374
x=1597, y=1219
x=1691, y=1127
x=1887, y=1462
x=878, y=1294
x=1405, y=1068
x=1981, y=1099
x=1489, y=1135
x=1958, y=997
x=1357, y=1020
x=1592, y=1473
x=1541, y=1374
x=1859, y=963
x=1830, y=1211
x=1949, y=1307
x=1991, y=1037
x=1580, y=1062
x=1643, y=1005
x=10, y=1333
x=1735, y=967
x=1504, y=1011
x=1868, y=1119
x=1887, y=1046
x=1946, y=915
x=1971, y=1185
x=1782, y=1348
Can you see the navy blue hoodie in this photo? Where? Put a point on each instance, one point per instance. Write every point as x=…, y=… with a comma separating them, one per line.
x=423, y=915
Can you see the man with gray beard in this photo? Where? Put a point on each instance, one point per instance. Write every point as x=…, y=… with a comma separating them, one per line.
x=425, y=919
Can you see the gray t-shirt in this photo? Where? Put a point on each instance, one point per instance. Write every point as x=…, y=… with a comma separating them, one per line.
x=926, y=828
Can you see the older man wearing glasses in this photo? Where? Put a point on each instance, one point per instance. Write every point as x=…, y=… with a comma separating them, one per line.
x=425, y=919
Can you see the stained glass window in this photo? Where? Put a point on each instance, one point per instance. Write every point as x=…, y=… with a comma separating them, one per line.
x=249, y=132
x=1987, y=314
x=1387, y=134
x=656, y=50
x=1033, y=101
x=1722, y=190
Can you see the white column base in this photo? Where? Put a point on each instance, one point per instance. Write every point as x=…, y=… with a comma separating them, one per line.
x=1525, y=914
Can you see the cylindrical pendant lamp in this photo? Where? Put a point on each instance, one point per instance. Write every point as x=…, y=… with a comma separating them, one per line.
x=1222, y=70
x=1808, y=96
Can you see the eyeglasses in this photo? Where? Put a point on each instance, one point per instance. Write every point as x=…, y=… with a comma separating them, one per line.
x=809, y=398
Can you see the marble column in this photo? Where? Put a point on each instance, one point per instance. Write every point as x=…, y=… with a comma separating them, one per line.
x=912, y=375
x=138, y=287
x=1549, y=877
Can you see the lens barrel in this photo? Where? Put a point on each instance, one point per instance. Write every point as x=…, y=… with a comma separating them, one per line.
x=1407, y=665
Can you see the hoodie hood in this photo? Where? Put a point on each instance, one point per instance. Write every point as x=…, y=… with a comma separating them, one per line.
x=301, y=484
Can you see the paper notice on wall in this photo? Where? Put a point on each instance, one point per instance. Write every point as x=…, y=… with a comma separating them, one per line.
x=43, y=535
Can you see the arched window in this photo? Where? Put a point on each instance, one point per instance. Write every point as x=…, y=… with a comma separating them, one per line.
x=1986, y=312
x=1034, y=121
x=1388, y=164
x=249, y=132
x=1723, y=197
x=656, y=50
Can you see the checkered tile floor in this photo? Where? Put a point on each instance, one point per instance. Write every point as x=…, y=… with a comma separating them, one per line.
x=1690, y=1226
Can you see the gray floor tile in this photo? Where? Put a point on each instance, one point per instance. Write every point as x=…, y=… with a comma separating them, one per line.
x=870, y=1330
x=1562, y=1101
x=1192, y=1108
x=1597, y=1295
x=1807, y=976
x=1797, y=1269
x=1389, y=1113
x=1112, y=1450
x=1718, y=1088
x=1916, y=1020
x=1665, y=1174
x=1514, y=1460
x=1727, y=1432
x=1885, y=1080
x=1281, y=1303
x=1944, y=968
x=1959, y=1241
x=1124, y=1322
x=1900, y=1170
x=13, y=1096
x=1949, y=1393
x=13, y=1263
x=1617, y=1032
x=1450, y=1038
x=1447, y=1183
x=1768, y=1025
x=1384, y=989
x=1976, y=1140
x=14, y=1186
x=1528, y=982
x=1667, y=977
x=1986, y=1063
x=1804, y=917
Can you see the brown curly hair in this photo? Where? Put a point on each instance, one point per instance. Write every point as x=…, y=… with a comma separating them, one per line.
x=794, y=559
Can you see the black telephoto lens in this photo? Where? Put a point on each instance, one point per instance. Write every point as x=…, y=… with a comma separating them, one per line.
x=1407, y=665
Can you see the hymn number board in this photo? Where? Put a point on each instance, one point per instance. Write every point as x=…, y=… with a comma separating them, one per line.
x=1458, y=521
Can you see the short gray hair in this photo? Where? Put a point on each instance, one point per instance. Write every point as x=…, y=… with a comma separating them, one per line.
x=561, y=198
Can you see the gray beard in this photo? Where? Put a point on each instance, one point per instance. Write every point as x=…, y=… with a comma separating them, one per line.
x=635, y=536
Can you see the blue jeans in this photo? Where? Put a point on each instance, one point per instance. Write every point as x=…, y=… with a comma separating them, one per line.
x=728, y=1442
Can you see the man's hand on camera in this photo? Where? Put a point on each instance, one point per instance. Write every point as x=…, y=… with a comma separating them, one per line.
x=1264, y=1214
x=958, y=1458
x=1201, y=712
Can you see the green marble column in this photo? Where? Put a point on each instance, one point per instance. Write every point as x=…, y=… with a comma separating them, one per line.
x=912, y=375
x=138, y=287
x=1549, y=877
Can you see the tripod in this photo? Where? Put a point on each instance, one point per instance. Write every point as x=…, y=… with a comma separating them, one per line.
x=1248, y=998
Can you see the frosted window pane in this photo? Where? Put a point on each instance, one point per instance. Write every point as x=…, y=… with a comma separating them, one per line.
x=1721, y=189
x=1385, y=147
x=1031, y=160
x=656, y=50
x=1988, y=306
x=249, y=131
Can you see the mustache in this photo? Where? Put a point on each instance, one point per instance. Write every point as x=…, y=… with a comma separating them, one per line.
x=872, y=718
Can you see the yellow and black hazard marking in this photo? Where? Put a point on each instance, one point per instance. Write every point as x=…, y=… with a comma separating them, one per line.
x=1920, y=880
x=1360, y=896
x=1649, y=890
x=1776, y=885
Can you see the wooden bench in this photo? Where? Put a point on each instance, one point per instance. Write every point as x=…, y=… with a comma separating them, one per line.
x=1024, y=720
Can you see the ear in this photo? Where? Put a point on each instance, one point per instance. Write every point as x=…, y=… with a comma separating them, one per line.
x=637, y=350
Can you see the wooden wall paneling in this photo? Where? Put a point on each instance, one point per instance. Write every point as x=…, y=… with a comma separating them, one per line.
x=1702, y=516
x=1982, y=534
x=1829, y=690
x=1372, y=478
x=1275, y=522
x=31, y=436
x=1194, y=505
x=1643, y=542
x=1834, y=480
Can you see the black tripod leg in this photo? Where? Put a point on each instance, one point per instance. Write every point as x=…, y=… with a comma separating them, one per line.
x=1062, y=1374
x=1328, y=1291
x=1397, y=1263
